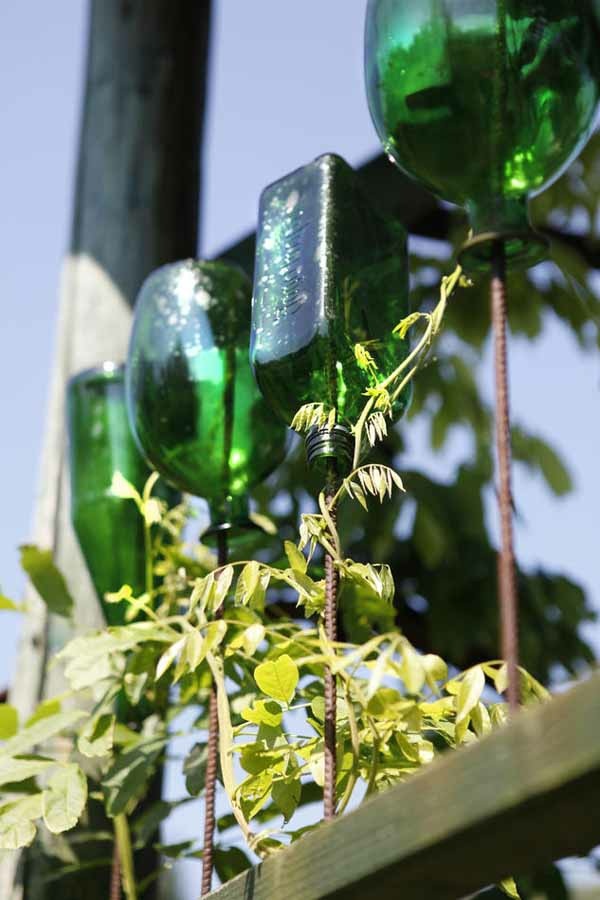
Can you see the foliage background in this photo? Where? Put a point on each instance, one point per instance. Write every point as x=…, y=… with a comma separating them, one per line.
x=275, y=69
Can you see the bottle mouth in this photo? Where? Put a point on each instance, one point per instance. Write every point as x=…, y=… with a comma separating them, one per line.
x=231, y=517
x=105, y=371
x=522, y=249
x=325, y=443
x=502, y=220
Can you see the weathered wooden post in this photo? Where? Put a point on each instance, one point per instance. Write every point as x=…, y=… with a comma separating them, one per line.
x=136, y=207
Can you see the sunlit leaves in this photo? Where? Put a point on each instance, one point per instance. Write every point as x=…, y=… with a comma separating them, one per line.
x=296, y=559
x=9, y=605
x=40, y=730
x=373, y=481
x=64, y=798
x=313, y=415
x=17, y=819
x=470, y=688
x=123, y=489
x=96, y=738
x=509, y=887
x=9, y=721
x=278, y=678
x=263, y=712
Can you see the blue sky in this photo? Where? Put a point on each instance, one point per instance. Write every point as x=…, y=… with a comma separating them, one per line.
x=286, y=86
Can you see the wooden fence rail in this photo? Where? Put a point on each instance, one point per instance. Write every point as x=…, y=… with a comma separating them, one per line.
x=526, y=795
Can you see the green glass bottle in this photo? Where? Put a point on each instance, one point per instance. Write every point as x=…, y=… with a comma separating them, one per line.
x=109, y=529
x=330, y=273
x=193, y=404
x=485, y=102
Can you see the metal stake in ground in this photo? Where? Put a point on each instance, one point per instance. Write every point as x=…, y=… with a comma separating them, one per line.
x=212, y=759
x=507, y=585
x=331, y=590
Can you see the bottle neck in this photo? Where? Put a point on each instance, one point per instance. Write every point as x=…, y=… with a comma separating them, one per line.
x=504, y=219
x=323, y=444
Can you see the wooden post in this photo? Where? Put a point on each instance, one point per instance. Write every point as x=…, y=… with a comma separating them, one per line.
x=135, y=207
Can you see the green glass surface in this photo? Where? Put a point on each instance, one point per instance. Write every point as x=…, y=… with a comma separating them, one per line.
x=484, y=102
x=194, y=407
x=330, y=273
x=109, y=529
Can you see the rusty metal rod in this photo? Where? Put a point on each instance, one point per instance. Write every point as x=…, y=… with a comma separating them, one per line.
x=331, y=591
x=115, y=874
x=507, y=582
x=212, y=759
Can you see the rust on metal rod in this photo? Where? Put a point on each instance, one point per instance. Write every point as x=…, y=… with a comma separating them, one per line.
x=507, y=582
x=212, y=758
x=331, y=590
x=115, y=875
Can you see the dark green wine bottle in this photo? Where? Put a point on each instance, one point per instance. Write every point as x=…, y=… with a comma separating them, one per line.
x=193, y=404
x=485, y=102
x=330, y=274
x=109, y=529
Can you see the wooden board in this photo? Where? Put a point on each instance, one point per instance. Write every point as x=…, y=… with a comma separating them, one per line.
x=526, y=795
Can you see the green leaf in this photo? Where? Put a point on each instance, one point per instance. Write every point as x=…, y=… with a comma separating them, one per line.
x=535, y=453
x=123, y=489
x=278, y=678
x=252, y=637
x=44, y=710
x=169, y=657
x=128, y=777
x=412, y=669
x=471, y=687
x=16, y=822
x=230, y=862
x=214, y=635
x=97, y=737
x=509, y=888
x=194, y=769
x=255, y=792
x=247, y=583
x=296, y=558
x=47, y=580
x=9, y=721
x=12, y=771
x=263, y=712
x=194, y=650
x=40, y=731
x=263, y=522
x=286, y=796
x=64, y=798
x=436, y=670
x=222, y=585
x=10, y=605
x=145, y=826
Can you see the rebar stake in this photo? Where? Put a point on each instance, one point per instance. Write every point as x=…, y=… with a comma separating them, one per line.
x=212, y=758
x=115, y=874
x=507, y=584
x=331, y=590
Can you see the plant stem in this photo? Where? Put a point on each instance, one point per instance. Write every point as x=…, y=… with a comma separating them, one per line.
x=148, y=559
x=123, y=841
x=210, y=783
x=449, y=284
